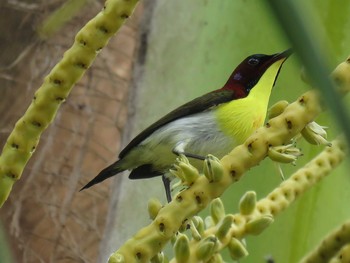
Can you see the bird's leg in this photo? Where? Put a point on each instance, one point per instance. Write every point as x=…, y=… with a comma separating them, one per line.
x=166, y=182
x=180, y=150
x=190, y=155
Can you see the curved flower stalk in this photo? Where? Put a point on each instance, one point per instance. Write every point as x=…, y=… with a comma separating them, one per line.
x=227, y=230
x=23, y=140
x=343, y=256
x=335, y=245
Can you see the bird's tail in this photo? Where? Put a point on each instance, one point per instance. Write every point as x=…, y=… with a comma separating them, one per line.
x=111, y=170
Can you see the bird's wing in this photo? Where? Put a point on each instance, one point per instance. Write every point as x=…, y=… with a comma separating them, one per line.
x=197, y=105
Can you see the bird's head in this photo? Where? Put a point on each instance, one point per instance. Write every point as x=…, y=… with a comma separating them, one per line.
x=248, y=73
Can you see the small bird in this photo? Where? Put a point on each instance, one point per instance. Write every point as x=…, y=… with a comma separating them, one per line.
x=211, y=124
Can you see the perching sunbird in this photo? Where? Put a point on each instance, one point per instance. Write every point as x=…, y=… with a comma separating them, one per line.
x=211, y=124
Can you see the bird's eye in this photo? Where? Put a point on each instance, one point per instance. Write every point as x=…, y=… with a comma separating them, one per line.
x=253, y=61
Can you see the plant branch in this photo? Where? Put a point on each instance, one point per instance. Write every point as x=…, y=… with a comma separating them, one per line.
x=261, y=214
x=330, y=245
x=23, y=140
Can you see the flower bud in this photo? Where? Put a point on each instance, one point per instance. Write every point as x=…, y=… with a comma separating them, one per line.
x=237, y=249
x=189, y=173
x=256, y=226
x=213, y=169
x=247, y=203
x=224, y=227
x=315, y=134
x=284, y=153
x=206, y=248
x=277, y=109
x=182, y=248
x=197, y=227
x=154, y=205
x=217, y=210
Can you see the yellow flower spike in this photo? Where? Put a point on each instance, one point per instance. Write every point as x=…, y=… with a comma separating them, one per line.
x=224, y=227
x=237, y=249
x=277, y=109
x=206, y=248
x=330, y=245
x=343, y=256
x=247, y=203
x=283, y=196
x=257, y=225
x=284, y=154
x=217, y=210
x=24, y=138
x=182, y=249
x=212, y=168
x=159, y=258
x=315, y=134
x=154, y=205
x=189, y=173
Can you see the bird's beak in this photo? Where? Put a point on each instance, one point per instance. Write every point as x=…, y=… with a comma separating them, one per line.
x=278, y=57
x=283, y=55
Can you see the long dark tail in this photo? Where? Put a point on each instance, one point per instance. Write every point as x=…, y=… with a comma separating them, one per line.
x=104, y=174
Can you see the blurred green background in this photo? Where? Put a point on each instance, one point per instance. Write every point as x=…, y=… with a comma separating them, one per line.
x=193, y=48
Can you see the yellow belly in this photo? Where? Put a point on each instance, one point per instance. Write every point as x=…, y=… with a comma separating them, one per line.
x=240, y=118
